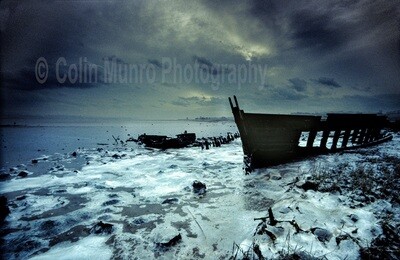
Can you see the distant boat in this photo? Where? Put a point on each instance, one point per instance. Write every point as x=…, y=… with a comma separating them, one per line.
x=271, y=139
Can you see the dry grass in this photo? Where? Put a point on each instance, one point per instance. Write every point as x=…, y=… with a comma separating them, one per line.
x=363, y=183
x=373, y=179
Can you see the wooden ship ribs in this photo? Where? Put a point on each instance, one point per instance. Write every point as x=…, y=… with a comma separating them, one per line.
x=270, y=139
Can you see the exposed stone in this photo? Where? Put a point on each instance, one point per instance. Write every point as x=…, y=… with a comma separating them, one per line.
x=341, y=238
x=173, y=241
x=4, y=210
x=111, y=202
x=22, y=197
x=116, y=156
x=323, y=235
x=4, y=176
x=170, y=201
x=276, y=177
x=199, y=187
x=354, y=217
x=308, y=185
x=102, y=228
x=22, y=174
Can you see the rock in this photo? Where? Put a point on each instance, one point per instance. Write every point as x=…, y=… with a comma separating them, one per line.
x=173, y=241
x=34, y=161
x=22, y=197
x=308, y=185
x=354, y=217
x=139, y=221
x=4, y=176
x=170, y=201
x=102, y=228
x=111, y=202
x=341, y=238
x=197, y=255
x=276, y=177
x=323, y=235
x=199, y=187
x=165, y=236
x=74, y=154
x=4, y=210
x=22, y=174
x=48, y=225
x=27, y=246
x=285, y=210
x=116, y=156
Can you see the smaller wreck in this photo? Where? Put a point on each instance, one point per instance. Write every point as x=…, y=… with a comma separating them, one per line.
x=270, y=139
x=164, y=142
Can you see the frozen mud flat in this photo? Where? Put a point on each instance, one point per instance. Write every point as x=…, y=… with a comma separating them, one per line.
x=62, y=208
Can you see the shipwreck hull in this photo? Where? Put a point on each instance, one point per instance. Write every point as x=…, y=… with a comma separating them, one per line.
x=270, y=139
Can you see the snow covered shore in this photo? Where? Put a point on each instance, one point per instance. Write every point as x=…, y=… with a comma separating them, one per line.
x=340, y=203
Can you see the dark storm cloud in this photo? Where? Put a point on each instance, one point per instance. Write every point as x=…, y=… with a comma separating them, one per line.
x=264, y=10
x=60, y=76
x=298, y=84
x=284, y=93
x=329, y=82
x=210, y=67
x=374, y=103
x=32, y=31
x=318, y=31
x=355, y=43
x=289, y=95
x=115, y=59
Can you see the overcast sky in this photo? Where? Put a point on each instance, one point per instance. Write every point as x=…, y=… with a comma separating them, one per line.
x=177, y=59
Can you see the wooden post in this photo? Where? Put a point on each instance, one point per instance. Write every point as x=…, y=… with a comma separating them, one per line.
x=355, y=135
x=361, y=136
x=324, y=139
x=375, y=134
x=237, y=104
x=311, y=138
x=230, y=102
x=346, y=138
x=367, y=135
x=335, y=139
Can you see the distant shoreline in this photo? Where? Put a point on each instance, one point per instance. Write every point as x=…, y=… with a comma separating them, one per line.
x=209, y=119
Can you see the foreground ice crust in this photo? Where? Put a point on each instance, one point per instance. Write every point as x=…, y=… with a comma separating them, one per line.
x=129, y=193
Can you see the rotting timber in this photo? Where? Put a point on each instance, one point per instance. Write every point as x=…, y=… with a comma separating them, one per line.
x=165, y=142
x=271, y=139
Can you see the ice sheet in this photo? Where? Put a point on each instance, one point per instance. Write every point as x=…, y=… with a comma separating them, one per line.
x=132, y=193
